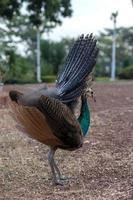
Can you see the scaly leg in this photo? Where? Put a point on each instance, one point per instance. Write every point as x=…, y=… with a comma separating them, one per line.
x=58, y=172
x=54, y=168
x=50, y=159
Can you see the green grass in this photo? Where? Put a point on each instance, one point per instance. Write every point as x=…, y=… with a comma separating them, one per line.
x=108, y=80
x=102, y=79
x=49, y=78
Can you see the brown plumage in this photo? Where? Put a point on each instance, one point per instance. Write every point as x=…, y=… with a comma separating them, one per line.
x=34, y=123
x=48, y=115
x=50, y=122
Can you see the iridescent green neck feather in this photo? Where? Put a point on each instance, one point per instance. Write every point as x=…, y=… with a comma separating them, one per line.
x=84, y=118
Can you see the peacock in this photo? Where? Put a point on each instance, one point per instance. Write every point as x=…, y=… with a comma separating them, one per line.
x=49, y=115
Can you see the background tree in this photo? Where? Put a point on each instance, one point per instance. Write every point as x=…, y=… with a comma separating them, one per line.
x=53, y=54
x=9, y=8
x=124, y=50
x=43, y=15
x=19, y=22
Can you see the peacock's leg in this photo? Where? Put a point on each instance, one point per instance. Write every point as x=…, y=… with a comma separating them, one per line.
x=50, y=159
x=60, y=176
x=54, y=167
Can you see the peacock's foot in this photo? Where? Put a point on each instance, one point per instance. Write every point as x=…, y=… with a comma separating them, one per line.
x=64, y=177
x=61, y=181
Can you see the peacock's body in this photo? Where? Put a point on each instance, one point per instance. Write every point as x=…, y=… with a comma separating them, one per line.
x=48, y=115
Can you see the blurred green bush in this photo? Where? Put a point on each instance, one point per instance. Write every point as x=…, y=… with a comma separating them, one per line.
x=126, y=73
x=49, y=78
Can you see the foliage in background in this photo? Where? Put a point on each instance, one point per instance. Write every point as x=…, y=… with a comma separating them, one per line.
x=45, y=13
x=22, y=19
x=126, y=73
x=124, y=51
x=19, y=29
x=53, y=54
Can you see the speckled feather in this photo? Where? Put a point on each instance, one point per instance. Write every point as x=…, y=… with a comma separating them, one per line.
x=61, y=120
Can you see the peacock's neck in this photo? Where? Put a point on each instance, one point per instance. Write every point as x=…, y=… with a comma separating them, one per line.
x=84, y=118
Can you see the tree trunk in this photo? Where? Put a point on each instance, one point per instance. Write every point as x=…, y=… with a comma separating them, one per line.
x=38, y=56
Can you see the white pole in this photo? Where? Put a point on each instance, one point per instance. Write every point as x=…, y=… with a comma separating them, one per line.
x=38, y=71
x=113, y=65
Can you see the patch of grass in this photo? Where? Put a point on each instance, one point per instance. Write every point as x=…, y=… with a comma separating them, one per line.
x=108, y=80
x=103, y=79
x=49, y=78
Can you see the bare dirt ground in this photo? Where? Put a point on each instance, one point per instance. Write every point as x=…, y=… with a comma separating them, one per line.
x=101, y=170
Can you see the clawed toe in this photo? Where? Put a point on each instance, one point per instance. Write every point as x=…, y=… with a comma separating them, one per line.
x=64, y=178
x=59, y=182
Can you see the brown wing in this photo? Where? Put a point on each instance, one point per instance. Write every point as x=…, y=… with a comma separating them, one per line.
x=51, y=123
x=34, y=123
x=61, y=120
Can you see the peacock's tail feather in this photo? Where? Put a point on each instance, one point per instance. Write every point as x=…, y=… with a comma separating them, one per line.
x=79, y=64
